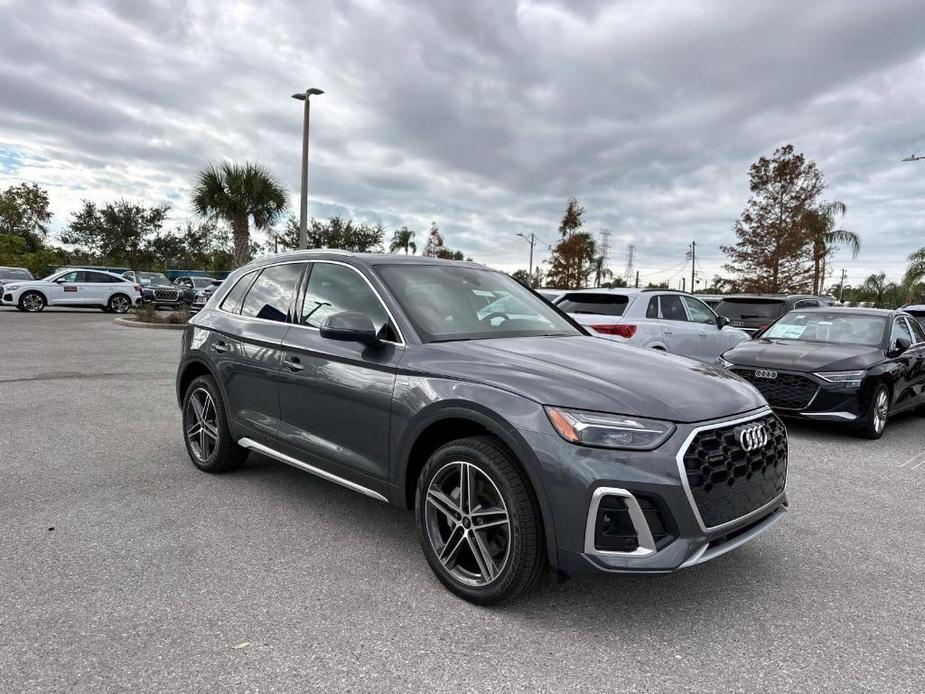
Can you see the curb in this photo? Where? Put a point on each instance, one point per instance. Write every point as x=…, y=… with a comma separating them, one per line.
x=132, y=323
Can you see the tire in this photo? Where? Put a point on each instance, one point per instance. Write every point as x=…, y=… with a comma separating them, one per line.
x=118, y=303
x=873, y=422
x=32, y=302
x=209, y=453
x=513, y=544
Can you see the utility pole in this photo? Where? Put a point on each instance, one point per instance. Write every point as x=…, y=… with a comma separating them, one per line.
x=841, y=285
x=683, y=284
x=637, y=279
x=303, y=204
x=693, y=265
x=531, y=240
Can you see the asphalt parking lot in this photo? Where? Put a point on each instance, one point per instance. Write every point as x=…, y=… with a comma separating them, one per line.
x=124, y=568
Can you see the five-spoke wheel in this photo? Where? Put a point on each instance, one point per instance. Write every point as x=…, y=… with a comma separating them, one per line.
x=199, y=419
x=208, y=439
x=119, y=303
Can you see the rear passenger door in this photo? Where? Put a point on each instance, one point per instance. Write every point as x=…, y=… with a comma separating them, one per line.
x=336, y=395
x=96, y=287
x=681, y=336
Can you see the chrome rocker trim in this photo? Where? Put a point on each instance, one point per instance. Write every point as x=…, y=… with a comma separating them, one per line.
x=687, y=487
x=294, y=462
x=847, y=416
x=643, y=533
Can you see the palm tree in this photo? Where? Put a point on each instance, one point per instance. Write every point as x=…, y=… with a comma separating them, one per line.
x=819, y=225
x=915, y=272
x=876, y=287
x=601, y=272
x=403, y=239
x=239, y=193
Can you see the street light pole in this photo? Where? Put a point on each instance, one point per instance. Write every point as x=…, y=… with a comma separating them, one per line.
x=303, y=204
x=531, y=240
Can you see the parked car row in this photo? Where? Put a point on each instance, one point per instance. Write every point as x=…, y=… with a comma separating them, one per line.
x=74, y=288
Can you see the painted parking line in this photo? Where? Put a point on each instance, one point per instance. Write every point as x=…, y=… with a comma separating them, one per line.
x=920, y=457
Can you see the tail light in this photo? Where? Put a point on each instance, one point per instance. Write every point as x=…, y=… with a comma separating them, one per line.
x=137, y=288
x=620, y=330
x=762, y=326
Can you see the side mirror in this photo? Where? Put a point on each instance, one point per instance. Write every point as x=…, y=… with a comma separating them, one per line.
x=721, y=322
x=350, y=326
x=901, y=345
x=60, y=280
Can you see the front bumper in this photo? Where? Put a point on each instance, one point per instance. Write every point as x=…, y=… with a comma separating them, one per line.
x=651, y=487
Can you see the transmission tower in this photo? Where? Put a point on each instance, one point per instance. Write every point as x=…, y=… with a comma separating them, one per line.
x=630, y=269
x=605, y=245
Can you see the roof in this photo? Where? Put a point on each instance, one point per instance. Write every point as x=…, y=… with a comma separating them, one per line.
x=782, y=297
x=367, y=258
x=852, y=310
x=626, y=291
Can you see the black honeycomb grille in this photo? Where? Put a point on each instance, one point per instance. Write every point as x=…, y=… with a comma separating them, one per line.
x=787, y=391
x=728, y=482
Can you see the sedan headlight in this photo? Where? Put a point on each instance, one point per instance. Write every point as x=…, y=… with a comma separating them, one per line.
x=724, y=363
x=848, y=379
x=609, y=430
x=10, y=287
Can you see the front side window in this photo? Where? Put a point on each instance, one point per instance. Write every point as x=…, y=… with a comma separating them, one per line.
x=335, y=289
x=447, y=303
x=270, y=295
x=900, y=330
x=829, y=327
x=699, y=311
x=672, y=308
x=69, y=277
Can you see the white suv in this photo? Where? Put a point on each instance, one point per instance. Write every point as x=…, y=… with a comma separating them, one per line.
x=662, y=319
x=77, y=288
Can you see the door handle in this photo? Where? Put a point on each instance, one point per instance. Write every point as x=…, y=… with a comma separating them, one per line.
x=293, y=363
x=667, y=331
x=220, y=347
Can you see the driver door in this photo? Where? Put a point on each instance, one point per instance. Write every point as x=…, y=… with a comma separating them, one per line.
x=336, y=396
x=66, y=289
x=710, y=339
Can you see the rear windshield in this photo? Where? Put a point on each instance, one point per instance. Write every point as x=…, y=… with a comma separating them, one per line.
x=14, y=274
x=744, y=309
x=594, y=304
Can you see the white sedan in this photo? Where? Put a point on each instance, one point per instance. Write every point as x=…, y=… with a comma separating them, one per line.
x=73, y=287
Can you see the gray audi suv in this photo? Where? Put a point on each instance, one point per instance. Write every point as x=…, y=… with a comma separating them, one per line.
x=518, y=440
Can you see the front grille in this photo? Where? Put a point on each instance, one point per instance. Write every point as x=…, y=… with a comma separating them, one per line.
x=786, y=391
x=166, y=294
x=727, y=481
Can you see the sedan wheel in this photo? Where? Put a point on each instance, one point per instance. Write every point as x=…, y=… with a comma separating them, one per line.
x=873, y=423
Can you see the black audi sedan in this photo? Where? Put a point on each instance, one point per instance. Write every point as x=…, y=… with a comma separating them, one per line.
x=518, y=440
x=857, y=366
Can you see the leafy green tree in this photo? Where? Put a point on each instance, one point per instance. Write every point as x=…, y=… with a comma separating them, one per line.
x=118, y=230
x=819, y=224
x=335, y=233
x=24, y=212
x=773, y=252
x=571, y=220
x=876, y=289
x=403, y=240
x=240, y=194
x=434, y=242
x=915, y=270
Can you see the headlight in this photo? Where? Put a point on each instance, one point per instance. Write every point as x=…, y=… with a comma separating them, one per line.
x=11, y=287
x=848, y=379
x=609, y=430
x=724, y=363
x=200, y=296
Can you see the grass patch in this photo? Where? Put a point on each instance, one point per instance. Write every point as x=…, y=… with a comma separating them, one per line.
x=149, y=314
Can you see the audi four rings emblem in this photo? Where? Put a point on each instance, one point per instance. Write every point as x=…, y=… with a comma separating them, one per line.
x=752, y=437
x=765, y=373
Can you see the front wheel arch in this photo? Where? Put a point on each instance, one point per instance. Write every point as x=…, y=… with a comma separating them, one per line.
x=31, y=291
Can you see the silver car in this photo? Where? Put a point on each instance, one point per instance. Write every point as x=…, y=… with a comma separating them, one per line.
x=661, y=319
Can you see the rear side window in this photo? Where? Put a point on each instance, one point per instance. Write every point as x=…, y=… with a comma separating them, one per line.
x=594, y=304
x=233, y=299
x=917, y=330
x=672, y=308
x=272, y=292
x=99, y=278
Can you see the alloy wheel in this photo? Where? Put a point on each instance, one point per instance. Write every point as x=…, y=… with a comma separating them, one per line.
x=467, y=523
x=33, y=302
x=201, y=424
x=881, y=411
x=119, y=304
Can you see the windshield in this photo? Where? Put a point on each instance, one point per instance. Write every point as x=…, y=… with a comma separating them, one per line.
x=594, y=304
x=829, y=327
x=462, y=303
x=153, y=278
x=200, y=282
x=744, y=309
x=9, y=273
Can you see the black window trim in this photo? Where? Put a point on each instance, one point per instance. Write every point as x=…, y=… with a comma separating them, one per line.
x=295, y=308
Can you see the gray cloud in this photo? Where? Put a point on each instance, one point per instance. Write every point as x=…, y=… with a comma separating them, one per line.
x=483, y=116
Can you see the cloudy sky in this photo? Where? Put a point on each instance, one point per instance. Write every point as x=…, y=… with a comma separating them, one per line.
x=483, y=116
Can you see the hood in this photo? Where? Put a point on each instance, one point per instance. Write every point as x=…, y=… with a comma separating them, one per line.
x=591, y=373
x=796, y=355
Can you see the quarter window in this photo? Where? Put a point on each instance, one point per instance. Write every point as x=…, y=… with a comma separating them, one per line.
x=272, y=292
x=699, y=311
x=336, y=288
x=233, y=299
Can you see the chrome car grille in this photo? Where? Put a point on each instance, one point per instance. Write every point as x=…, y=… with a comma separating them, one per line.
x=736, y=469
x=783, y=391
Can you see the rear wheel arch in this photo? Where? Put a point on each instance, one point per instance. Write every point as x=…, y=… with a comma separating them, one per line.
x=458, y=422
